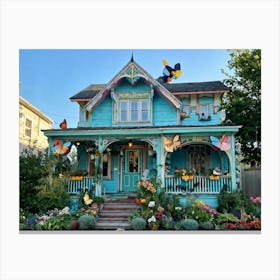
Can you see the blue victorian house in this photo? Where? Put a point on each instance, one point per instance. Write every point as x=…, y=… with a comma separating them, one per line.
x=137, y=126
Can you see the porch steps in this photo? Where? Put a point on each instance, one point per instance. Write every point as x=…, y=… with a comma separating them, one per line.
x=114, y=214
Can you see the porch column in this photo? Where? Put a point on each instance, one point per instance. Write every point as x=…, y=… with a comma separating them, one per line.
x=232, y=163
x=160, y=161
x=50, y=140
x=99, y=167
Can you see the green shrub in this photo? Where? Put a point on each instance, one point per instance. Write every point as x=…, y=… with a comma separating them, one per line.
x=138, y=223
x=87, y=222
x=228, y=202
x=98, y=199
x=206, y=225
x=187, y=224
x=226, y=217
x=53, y=193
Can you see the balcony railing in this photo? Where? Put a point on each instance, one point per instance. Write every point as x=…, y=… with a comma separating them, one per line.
x=197, y=185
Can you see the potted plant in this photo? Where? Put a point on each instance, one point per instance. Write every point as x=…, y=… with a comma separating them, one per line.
x=78, y=174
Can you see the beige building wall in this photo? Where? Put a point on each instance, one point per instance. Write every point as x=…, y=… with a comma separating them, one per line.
x=31, y=122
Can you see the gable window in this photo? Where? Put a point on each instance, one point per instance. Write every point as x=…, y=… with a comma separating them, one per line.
x=27, y=127
x=132, y=111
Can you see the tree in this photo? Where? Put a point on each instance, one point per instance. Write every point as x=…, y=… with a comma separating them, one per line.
x=243, y=101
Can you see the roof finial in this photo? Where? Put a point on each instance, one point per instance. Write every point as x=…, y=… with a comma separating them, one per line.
x=132, y=59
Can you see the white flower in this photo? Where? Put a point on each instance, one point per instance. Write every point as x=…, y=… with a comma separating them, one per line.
x=152, y=219
x=178, y=208
x=65, y=210
x=152, y=204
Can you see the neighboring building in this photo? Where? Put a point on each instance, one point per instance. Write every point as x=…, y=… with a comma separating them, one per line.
x=133, y=123
x=31, y=123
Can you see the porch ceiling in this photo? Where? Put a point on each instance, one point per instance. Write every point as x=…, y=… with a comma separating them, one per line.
x=136, y=131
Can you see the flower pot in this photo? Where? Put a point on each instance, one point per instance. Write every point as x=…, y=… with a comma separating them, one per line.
x=213, y=177
x=77, y=178
x=187, y=177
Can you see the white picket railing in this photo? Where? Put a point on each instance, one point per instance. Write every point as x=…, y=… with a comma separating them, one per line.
x=76, y=186
x=199, y=184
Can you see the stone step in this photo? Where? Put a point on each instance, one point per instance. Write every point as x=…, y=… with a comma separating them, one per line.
x=112, y=225
x=113, y=218
x=120, y=201
x=114, y=214
x=119, y=206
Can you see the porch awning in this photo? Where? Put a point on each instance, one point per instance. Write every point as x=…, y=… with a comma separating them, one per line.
x=85, y=133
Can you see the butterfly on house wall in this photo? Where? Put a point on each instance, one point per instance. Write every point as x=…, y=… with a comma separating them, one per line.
x=222, y=144
x=172, y=144
x=63, y=125
x=170, y=73
x=61, y=148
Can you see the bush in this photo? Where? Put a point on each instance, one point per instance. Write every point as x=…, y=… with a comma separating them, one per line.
x=87, y=222
x=187, y=224
x=206, y=225
x=98, y=199
x=229, y=201
x=32, y=167
x=138, y=223
x=226, y=217
x=53, y=193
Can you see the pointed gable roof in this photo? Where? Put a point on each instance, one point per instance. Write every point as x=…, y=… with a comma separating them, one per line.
x=133, y=70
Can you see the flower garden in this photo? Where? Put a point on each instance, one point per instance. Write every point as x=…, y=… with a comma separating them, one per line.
x=159, y=211
x=45, y=204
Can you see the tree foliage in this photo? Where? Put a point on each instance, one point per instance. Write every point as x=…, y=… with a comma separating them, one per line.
x=243, y=102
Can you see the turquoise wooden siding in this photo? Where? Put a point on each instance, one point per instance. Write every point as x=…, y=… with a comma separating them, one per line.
x=102, y=115
x=111, y=185
x=163, y=112
x=82, y=158
x=194, y=116
x=125, y=87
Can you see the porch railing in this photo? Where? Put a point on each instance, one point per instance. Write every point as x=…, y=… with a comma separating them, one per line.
x=76, y=186
x=199, y=185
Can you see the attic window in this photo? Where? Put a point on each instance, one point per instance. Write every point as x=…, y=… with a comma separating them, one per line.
x=134, y=111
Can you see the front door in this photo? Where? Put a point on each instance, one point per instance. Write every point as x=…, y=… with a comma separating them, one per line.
x=132, y=169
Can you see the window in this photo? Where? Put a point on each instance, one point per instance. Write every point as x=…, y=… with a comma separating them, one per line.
x=134, y=111
x=133, y=157
x=107, y=166
x=204, y=111
x=186, y=109
x=199, y=158
x=28, y=127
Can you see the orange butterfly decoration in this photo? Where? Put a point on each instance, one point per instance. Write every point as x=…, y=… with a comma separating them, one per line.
x=61, y=148
x=63, y=125
x=172, y=145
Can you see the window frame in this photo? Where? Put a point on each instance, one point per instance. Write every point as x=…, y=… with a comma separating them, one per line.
x=208, y=111
x=26, y=127
x=140, y=110
x=91, y=167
